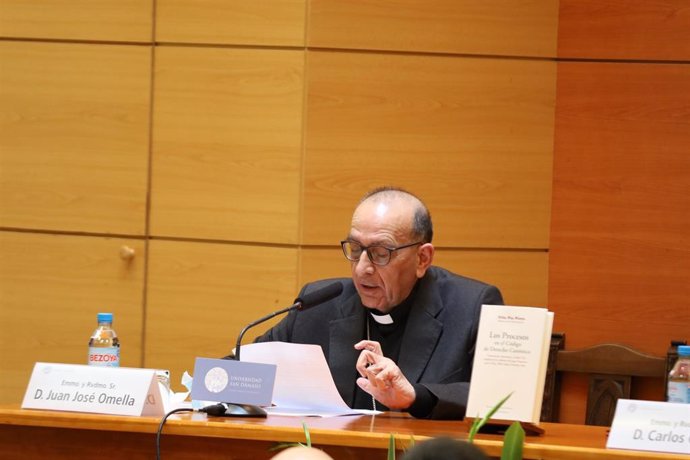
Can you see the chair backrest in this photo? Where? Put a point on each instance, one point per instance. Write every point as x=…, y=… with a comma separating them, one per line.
x=611, y=368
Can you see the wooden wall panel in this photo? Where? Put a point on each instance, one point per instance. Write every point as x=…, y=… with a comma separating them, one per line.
x=631, y=29
x=320, y=263
x=268, y=22
x=227, y=143
x=51, y=288
x=74, y=136
x=517, y=28
x=473, y=137
x=113, y=20
x=520, y=275
x=201, y=295
x=620, y=246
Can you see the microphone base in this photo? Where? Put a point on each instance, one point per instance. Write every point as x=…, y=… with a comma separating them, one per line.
x=243, y=410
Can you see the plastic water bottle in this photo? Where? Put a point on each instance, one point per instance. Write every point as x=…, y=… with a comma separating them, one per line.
x=104, y=346
x=679, y=377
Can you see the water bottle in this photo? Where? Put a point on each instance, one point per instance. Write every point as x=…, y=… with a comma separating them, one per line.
x=679, y=377
x=104, y=346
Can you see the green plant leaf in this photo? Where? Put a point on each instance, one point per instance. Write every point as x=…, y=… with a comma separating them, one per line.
x=306, y=434
x=476, y=425
x=513, y=441
x=284, y=445
x=473, y=429
x=391, y=447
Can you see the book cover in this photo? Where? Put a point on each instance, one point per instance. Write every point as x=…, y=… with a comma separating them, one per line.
x=511, y=357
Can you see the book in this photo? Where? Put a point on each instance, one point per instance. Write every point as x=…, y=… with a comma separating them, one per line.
x=510, y=357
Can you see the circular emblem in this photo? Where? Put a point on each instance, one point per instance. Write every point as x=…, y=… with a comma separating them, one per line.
x=216, y=380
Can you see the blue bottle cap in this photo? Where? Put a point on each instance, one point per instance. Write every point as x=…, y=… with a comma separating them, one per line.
x=105, y=317
x=684, y=350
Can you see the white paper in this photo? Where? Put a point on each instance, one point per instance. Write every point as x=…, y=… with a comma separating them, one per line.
x=304, y=385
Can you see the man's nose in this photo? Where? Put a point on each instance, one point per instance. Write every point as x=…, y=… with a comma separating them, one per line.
x=364, y=264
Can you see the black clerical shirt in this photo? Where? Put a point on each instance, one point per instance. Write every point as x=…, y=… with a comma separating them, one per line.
x=390, y=336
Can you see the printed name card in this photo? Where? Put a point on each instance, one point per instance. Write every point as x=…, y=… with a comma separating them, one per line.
x=99, y=390
x=651, y=426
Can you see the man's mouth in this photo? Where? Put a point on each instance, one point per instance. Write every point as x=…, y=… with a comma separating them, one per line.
x=368, y=287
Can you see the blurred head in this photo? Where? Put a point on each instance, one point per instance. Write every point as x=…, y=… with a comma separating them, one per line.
x=389, y=246
x=444, y=448
x=301, y=453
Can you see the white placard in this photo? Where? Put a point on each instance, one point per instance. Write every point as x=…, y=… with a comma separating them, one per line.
x=99, y=390
x=651, y=425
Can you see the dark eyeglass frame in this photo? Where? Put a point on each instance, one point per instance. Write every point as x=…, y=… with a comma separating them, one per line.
x=366, y=248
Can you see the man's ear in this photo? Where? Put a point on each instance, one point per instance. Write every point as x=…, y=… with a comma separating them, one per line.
x=425, y=256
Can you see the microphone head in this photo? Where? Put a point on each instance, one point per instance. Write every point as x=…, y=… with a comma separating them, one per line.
x=322, y=295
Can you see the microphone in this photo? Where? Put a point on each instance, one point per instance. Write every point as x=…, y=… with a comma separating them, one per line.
x=233, y=410
x=214, y=409
x=318, y=297
x=308, y=300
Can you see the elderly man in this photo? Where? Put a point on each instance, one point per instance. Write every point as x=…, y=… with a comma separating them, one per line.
x=402, y=333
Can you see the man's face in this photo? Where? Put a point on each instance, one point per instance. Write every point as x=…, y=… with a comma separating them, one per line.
x=386, y=224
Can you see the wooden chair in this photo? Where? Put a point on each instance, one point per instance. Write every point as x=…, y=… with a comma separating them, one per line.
x=611, y=368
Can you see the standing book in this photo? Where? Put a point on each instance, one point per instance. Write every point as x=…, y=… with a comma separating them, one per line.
x=511, y=357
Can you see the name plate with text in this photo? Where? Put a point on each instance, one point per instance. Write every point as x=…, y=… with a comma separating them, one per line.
x=651, y=426
x=98, y=390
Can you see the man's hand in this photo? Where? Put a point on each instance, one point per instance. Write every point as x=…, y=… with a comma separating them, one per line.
x=382, y=378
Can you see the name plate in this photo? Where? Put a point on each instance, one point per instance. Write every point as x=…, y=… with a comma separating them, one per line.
x=651, y=426
x=230, y=381
x=98, y=390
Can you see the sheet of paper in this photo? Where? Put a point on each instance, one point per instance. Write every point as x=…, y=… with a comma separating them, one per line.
x=304, y=385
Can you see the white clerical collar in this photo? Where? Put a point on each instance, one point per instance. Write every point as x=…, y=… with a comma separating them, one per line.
x=382, y=319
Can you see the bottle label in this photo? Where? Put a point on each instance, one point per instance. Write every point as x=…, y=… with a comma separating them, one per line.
x=679, y=392
x=108, y=356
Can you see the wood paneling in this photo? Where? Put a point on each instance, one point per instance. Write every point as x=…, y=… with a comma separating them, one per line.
x=114, y=20
x=267, y=22
x=320, y=263
x=631, y=29
x=516, y=28
x=52, y=287
x=201, y=295
x=620, y=246
x=227, y=143
x=473, y=137
x=74, y=136
x=520, y=275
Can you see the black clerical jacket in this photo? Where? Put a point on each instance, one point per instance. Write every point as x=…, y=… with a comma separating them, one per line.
x=437, y=347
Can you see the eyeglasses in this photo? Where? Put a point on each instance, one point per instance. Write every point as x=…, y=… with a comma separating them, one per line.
x=378, y=255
